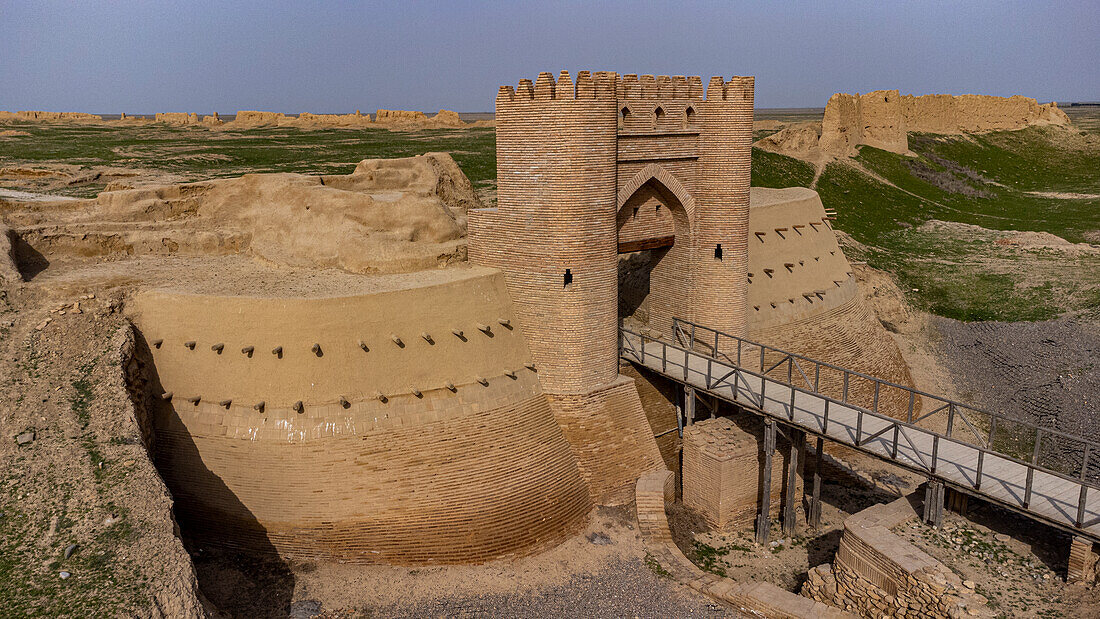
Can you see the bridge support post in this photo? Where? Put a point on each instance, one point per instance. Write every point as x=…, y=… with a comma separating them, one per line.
x=794, y=461
x=1082, y=562
x=689, y=405
x=814, y=516
x=933, y=502
x=763, y=519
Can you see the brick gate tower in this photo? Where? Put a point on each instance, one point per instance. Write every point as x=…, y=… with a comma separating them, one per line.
x=590, y=170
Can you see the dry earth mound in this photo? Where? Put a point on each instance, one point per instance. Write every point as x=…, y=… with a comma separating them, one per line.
x=387, y=216
x=48, y=116
x=801, y=140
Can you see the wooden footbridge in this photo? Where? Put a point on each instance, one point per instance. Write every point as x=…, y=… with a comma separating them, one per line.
x=1045, y=474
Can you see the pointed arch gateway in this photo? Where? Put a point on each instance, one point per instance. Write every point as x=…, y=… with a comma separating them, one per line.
x=655, y=221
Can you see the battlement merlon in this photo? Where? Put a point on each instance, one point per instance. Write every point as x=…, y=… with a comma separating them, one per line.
x=737, y=89
x=603, y=85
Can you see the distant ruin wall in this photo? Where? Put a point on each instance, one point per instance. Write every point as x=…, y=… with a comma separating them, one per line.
x=875, y=119
x=977, y=113
x=49, y=116
x=177, y=118
x=882, y=118
x=400, y=427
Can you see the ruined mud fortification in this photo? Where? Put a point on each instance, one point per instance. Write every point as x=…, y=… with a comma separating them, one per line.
x=883, y=118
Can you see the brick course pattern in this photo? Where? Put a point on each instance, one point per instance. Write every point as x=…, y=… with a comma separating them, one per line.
x=722, y=472
x=878, y=574
x=574, y=161
x=403, y=427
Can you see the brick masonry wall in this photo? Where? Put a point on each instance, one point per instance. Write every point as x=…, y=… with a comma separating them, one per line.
x=877, y=574
x=722, y=472
x=723, y=204
x=556, y=206
x=460, y=459
x=658, y=396
x=610, y=437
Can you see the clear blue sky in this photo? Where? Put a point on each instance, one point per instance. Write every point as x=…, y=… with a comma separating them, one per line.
x=144, y=57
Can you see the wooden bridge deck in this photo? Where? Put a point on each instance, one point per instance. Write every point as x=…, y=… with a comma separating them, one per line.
x=1056, y=499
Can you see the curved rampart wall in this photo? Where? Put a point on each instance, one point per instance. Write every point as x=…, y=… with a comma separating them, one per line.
x=810, y=304
x=459, y=460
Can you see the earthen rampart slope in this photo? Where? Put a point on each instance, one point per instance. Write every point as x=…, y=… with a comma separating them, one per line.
x=803, y=297
x=403, y=427
x=395, y=215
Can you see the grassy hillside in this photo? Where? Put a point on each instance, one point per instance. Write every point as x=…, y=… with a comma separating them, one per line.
x=1000, y=182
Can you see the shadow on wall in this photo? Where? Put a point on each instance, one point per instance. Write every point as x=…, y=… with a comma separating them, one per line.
x=635, y=270
x=28, y=260
x=249, y=581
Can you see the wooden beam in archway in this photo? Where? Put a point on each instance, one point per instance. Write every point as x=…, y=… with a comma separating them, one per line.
x=626, y=247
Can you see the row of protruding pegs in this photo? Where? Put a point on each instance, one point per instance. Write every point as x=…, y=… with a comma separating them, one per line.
x=784, y=232
x=318, y=351
x=299, y=406
x=610, y=85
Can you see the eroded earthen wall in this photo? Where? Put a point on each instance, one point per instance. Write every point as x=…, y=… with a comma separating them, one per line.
x=406, y=426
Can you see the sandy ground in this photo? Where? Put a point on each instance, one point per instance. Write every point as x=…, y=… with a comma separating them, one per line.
x=601, y=572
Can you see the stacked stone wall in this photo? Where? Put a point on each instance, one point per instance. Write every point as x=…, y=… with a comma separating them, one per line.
x=878, y=574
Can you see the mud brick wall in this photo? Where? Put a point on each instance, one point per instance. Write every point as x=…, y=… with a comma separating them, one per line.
x=407, y=426
x=878, y=574
x=722, y=471
x=804, y=299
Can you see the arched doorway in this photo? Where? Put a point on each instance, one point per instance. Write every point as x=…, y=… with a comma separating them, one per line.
x=654, y=234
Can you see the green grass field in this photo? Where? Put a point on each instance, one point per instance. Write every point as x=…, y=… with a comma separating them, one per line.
x=201, y=154
x=984, y=181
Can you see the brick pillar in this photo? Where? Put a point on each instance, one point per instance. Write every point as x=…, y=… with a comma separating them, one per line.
x=555, y=236
x=722, y=204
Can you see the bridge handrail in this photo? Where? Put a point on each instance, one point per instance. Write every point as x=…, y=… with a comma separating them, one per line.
x=676, y=322
x=1031, y=466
